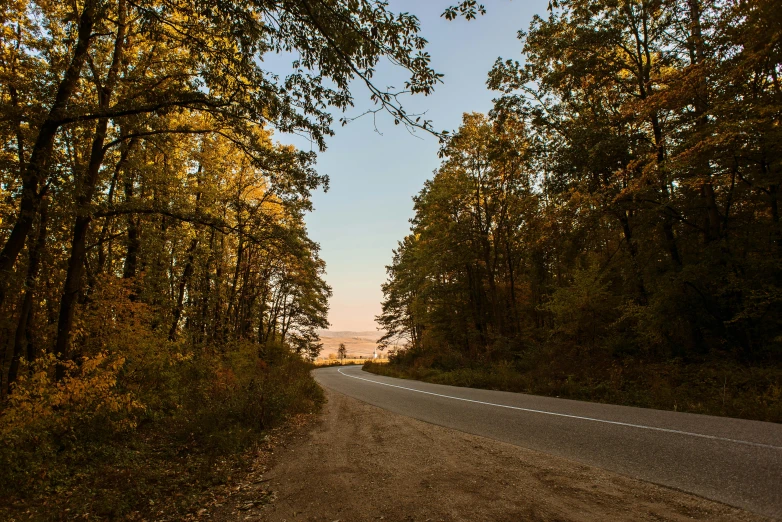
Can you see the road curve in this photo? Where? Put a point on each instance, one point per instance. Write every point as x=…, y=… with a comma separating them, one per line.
x=734, y=461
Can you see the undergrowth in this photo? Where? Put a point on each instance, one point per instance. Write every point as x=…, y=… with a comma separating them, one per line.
x=134, y=438
x=723, y=388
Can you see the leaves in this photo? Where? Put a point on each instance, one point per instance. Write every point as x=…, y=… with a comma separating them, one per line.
x=469, y=9
x=622, y=192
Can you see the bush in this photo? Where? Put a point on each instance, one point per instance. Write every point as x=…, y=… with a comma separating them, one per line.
x=713, y=388
x=45, y=420
x=116, y=433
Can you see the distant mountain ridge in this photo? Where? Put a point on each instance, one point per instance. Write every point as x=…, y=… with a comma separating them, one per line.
x=372, y=335
x=358, y=343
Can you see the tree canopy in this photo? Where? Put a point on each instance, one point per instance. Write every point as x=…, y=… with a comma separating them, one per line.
x=137, y=150
x=154, y=259
x=622, y=196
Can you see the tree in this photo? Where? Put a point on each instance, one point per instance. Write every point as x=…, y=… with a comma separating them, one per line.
x=143, y=131
x=342, y=352
x=622, y=192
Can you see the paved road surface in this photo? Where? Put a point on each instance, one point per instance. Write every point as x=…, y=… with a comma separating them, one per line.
x=734, y=461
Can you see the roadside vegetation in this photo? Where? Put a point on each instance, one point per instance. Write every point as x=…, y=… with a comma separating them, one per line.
x=159, y=294
x=137, y=441
x=710, y=388
x=610, y=230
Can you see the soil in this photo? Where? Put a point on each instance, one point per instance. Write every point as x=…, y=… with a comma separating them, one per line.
x=357, y=462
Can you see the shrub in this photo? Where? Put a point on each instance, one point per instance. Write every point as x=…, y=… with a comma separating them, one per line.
x=116, y=432
x=44, y=419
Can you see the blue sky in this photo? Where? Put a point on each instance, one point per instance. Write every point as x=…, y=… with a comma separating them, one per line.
x=373, y=177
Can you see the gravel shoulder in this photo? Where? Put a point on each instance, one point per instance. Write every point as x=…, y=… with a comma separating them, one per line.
x=359, y=462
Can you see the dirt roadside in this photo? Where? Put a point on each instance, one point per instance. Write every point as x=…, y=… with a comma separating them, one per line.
x=361, y=463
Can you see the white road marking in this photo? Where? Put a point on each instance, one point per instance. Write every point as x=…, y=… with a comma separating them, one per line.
x=592, y=419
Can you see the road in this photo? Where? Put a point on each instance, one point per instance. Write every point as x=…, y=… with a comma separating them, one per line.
x=737, y=462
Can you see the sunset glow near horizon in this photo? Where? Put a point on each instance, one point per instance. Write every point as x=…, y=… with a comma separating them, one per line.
x=366, y=211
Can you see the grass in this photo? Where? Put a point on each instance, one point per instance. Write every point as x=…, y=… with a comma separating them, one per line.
x=719, y=388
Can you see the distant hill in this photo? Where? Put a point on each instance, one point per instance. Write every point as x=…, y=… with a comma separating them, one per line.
x=357, y=343
x=372, y=335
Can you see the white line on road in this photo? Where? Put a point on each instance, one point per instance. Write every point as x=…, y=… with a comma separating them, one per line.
x=627, y=424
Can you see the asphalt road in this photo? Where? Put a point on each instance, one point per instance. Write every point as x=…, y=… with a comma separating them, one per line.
x=734, y=461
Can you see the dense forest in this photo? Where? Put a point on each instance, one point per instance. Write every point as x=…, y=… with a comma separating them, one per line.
x=611, y=230
x=159, y=293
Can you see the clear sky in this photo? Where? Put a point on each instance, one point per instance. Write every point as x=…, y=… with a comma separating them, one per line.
x=373, y=177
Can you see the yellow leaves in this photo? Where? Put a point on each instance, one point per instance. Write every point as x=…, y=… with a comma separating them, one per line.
x=183, y=357
x=87, y=392
x=257, y=192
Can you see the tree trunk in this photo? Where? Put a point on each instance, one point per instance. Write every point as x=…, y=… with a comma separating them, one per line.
x=667, y=225
x=187, y=273
x=632, y=248
x=37, y=168
x=73, y=279
x=713, y=228
x=23, y=339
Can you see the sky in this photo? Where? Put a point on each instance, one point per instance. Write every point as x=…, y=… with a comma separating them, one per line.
x=373, y=177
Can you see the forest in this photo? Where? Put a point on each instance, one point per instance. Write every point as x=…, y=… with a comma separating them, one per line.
x=610, y=231
x=159, y=293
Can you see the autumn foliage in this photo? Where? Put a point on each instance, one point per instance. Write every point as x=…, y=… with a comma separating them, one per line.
x=159, y=293
x=611, y=229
